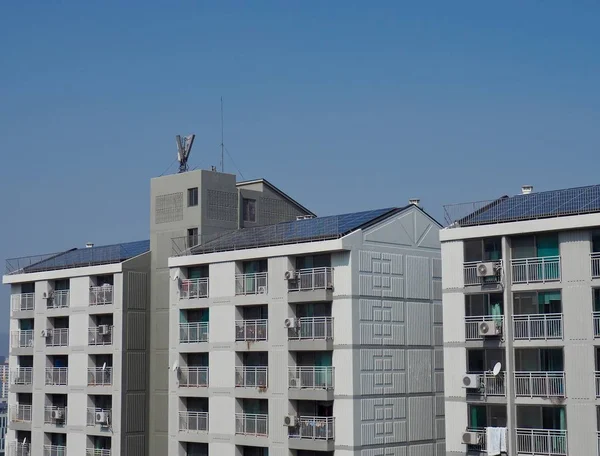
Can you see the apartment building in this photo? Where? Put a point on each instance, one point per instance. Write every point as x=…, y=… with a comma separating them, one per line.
x=3, y=425
x=4, y=381
x=79, y=352
x=521, y=295
x=309, y=337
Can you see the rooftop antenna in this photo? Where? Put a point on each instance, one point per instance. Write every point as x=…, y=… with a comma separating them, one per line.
x=184, y=147
x=222, y=143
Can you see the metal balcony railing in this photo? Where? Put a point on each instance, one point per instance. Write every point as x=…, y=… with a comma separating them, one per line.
x=98, y=416
x=58, y=299
x=20, y=413
x=251, y=377
x=312, y=328
x=471, y=277
x=102, y=295
x=481, y=446
x=312, y=279
x=193, y=333
x=595, y=263
x=55, y=415
x=596, y=321
x=472, y=325
x=22, y=302
x=311, y=377
x=55, y=450
x=249, y=284
x=314, y=428
x=57, y=376
x=19, y=449
x=97, y=452
x=491, y=385
x=540, y=384
x=534, y=270
x=58, y=337
x=22, y=338
x=597, y=383
x=194, y=288
x=541, y=442
x=22, y=376
x=193, y=421
x=100, y=335
x=538, y=326
x=192, y=376
x=251, y=330
x=98, y=376
x=252, y=424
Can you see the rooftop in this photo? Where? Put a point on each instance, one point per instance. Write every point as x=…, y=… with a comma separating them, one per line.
x=77, y=257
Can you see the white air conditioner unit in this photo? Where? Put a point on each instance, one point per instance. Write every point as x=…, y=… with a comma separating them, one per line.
x=488, y=328
x=290, y=323
x=471, y=438
x=289, y=421
x=262, y=289
x=470, y=381
x=290, y=275
x=104, y=330
x=102, y=417
x=486, y=269
x=57, y=414
x=294, y=382
x=46, y=333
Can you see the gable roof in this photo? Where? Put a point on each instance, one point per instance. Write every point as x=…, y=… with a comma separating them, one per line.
x=276, y=190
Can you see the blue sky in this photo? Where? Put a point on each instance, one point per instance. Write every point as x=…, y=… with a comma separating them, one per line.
x=344, y=105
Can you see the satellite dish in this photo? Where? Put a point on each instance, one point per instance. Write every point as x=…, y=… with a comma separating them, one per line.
x=175, y=366
x=24, y=440
x=496, y=369
x=104, y=366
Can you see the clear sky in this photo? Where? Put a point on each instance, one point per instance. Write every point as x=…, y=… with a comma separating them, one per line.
x=344, y=105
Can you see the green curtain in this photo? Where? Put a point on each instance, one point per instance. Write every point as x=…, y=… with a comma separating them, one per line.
x=547, y=245
x=544, y=299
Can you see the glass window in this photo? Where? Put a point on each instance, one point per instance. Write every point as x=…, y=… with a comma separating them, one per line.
x=596, y=241
x=192, y=234
x=249, y=210
x=192, y=196
x=198, y=272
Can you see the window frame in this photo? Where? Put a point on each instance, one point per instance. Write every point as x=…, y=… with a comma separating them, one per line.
x=192, y=197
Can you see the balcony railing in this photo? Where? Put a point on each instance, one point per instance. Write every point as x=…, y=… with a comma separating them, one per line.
x=193, y=421
x=251, y=377
x=20, y=413
x=101, y=296
x=595, y=262
x=18, y=449
x=251, y=330
x=472, y=325
x=98, y=376
x=58, y=337
x=312, y=328
x=314, y=428
x=100, y=335
x=596, y=320
x=194, y=288
x=97, y=452
x=22, y=302
x=252, y=424
x=58, y=299
x=190, y=377
x=55, y=450
x=597, y=383
x=309, y=377
x=538, y=326
x=533, y=270
x=193, y=333
x=55, y=415
x=312, y=279
x=491, y=385
x=249, y=284
x=541, y=442
x=22, y=338
x=22, y=376
x=471, y=277
x=481, y=446
x=98, y=416
x=540, y=384
x=57, y=376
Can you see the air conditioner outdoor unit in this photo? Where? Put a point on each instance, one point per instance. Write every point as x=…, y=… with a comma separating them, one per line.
x=102, y=418
x=104, y=330
x=489, y=328
x=57, y=415
x=290, y=275
x=289, y=421
x=262, y=289
x=46, y=333
x=470, y=381
x=486, y=269
x=290, y=322
x=471, y=438
x=294, y=382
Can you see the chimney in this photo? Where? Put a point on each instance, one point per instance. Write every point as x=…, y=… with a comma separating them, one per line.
x=415, y=201
x=89, y=245
x=526, y=189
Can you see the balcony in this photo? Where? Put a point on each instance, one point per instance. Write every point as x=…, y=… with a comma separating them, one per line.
x=595, y=262
x=22, y=338
x=597, y=383
x=596, y=320
x=193, y=421
x=56, y=416
x=193, y=377
x=99, y=376
x=193, y=333
x=97, y=452
x=249, y=424
x=251, y=284
x=58, y=337
x=472, y=325
x=22, y=376
x=58, y=299
x=309, y=377
x=18, y=449
x=100, y=335
x=481, y=434
x=541, y=442
x=251, y=377
x=98, y=417
x=22, y=302
x=490, y=385
x=57, y=376
x=55, y=450
x=101, y=296
x=194, y=289
x=540, y=384
x=471, y=276
x=536, y=270
x=314, y=428
x=250, y=330
x=20, y=413
x=538, y=326
x=311, y=279
x=311, y=328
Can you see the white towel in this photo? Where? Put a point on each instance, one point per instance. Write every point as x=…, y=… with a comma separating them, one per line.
x=495, y=440
x=503, y=434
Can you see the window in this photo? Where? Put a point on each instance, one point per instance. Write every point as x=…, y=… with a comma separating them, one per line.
x=249, y=210
x=192, y=196
x=192, y=234
x=489, y=249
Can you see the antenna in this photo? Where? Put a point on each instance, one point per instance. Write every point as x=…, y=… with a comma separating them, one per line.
x=184, y=147
x=222, y=142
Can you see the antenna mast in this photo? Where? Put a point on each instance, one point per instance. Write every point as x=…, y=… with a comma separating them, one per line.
x=222, y=143
x=184, y=147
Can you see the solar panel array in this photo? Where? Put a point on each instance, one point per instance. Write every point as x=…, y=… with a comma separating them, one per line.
x=555, y=203
x=308, y=230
